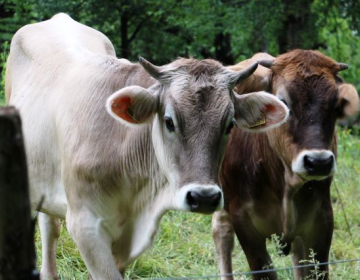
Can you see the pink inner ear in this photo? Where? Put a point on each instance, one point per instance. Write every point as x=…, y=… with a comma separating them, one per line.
x=121, y=106
x=270, y=108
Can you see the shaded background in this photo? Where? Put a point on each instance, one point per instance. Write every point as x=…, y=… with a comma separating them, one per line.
x=226, y=30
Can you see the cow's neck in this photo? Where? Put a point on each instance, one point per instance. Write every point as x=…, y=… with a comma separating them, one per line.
x=286, y=188
x=142, y=199
x=139, y=166
x=292, y=186
x=289, y=211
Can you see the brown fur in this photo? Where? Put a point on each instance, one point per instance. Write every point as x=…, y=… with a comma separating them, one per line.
x=304, y=63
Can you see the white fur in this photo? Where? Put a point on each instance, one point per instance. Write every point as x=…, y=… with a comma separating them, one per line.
x=162, y=154
x=50, y=231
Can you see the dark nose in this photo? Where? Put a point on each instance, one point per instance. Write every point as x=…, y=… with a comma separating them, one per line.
x=203, y=203
x=318, y=166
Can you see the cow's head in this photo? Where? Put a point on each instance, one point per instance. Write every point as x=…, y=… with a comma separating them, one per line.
x=308, y=83
x=193, y=108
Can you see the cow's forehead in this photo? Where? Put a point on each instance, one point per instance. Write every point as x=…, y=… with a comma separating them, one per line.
x=193, y=75
x=304, y=76
x=202, y=94
x=195, y=67
x=198, y=84
x=307, y=92
x=299, y=64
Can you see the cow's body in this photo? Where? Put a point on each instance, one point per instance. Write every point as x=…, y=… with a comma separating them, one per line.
x=279, y=182
x=86, y=156
x=111, y=181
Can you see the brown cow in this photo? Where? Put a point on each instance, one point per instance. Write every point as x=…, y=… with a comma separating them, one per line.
x=279, y=182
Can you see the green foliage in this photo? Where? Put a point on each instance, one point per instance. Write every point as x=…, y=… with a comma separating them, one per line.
x=3, y=56
x=228, y=30
x=342, y=42
x=184, y=245
x=315, y=273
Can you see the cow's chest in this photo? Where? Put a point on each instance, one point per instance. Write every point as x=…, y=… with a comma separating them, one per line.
x=134, y=226
x=265, y=217
x=286, y=216
x=134, y=236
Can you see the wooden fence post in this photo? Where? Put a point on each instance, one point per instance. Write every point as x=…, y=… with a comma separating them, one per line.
x=17, y=250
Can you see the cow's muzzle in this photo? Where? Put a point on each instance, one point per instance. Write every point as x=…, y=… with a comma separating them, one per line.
x=199, y=198
x=318, y=166
x=314, y=164
x=202, y=202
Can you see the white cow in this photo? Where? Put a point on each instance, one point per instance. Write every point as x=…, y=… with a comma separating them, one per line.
x=112, y=172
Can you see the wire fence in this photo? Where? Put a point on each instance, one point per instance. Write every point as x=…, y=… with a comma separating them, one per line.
x=248, y=273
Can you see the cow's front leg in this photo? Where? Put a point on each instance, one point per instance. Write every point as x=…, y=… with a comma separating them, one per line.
x=315, y=247
x=50, y=231
x=94, y=242
x=223, y=235
x=297, y=255
x=253, y=245
x=122, y=272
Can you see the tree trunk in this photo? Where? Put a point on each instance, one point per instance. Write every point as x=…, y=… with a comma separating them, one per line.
x=223, y=51
x=125, y=44
x=297, y=26
x=17, y=250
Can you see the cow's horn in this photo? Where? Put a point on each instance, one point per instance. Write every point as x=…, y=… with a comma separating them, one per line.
x=153, y=70
x=266, y=63
x=237, y=77
x=343, y=66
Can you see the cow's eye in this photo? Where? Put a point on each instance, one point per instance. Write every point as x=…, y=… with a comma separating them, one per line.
x=169, y=124
x=230, y=127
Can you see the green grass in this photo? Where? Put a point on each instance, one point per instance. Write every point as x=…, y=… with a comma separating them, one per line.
x=184, y=244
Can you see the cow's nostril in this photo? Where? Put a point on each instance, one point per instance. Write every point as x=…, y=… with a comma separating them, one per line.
x=216, y=199
x=330, y=160
x=308, y=163
x=318, y=166
x=203, y=203
x=191, y=198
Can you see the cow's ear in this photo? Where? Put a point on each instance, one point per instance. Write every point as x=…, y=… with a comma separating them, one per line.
x=348, y=100
x=259, y=111
x=132, y=105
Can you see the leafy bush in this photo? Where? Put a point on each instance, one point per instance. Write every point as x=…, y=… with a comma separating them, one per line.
x=3, y=56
